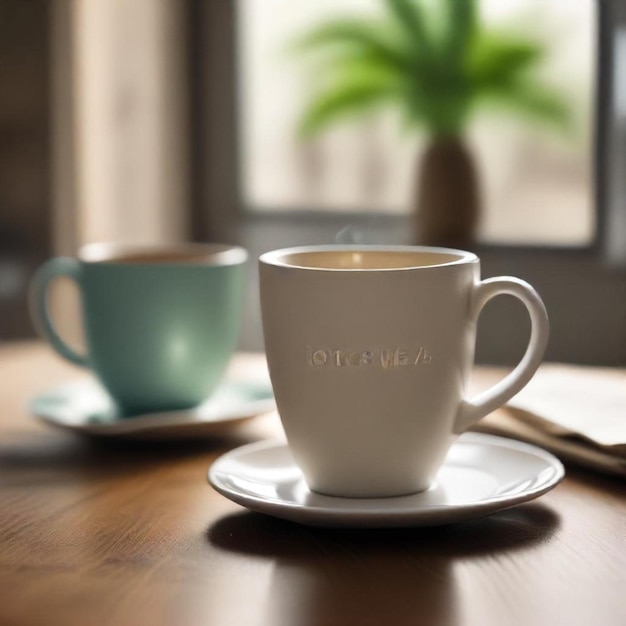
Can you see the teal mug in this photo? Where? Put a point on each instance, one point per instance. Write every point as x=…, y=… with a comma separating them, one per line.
x=161, y=323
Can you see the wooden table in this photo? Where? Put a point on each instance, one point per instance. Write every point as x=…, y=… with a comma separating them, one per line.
x=120, y=534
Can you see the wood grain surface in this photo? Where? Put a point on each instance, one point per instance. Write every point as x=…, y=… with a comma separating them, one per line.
x=96, y=533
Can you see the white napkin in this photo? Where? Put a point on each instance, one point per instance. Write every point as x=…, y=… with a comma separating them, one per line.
x=579, y=413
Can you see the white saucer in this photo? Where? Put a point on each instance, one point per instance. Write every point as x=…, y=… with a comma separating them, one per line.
x=482, y=474
x=84, y=407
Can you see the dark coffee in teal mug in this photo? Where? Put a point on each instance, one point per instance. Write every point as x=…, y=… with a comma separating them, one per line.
x=161, y=323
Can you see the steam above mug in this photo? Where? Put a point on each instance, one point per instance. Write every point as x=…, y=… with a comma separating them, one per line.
x=370, y=349
x=161, y=322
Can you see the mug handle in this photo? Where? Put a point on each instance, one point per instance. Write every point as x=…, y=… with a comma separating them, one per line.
x=40, y=311
x=475, y=409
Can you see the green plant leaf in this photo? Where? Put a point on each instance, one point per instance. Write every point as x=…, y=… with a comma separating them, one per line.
x=409, y=16
x=360, y=65
x=370, y=37
x=497, y=61
x=348, y=98
x=533, y=101
x=460, y=27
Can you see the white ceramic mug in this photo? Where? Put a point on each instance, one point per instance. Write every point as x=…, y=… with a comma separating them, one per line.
x=370, y=349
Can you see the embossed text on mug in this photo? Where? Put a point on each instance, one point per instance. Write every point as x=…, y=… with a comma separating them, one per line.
x=385, y=358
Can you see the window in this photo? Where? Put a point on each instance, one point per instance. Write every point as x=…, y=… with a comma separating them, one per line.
x=535, y=180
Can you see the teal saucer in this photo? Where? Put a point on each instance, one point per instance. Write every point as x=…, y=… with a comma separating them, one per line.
x=84, y=407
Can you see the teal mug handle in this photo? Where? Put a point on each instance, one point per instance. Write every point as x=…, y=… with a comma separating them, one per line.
x=40, y=311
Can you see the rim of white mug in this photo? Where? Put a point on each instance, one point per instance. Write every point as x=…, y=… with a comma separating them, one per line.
x=212, y=254
x=277, y=257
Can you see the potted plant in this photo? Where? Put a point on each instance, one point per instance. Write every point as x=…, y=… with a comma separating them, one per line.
x=438, y=65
